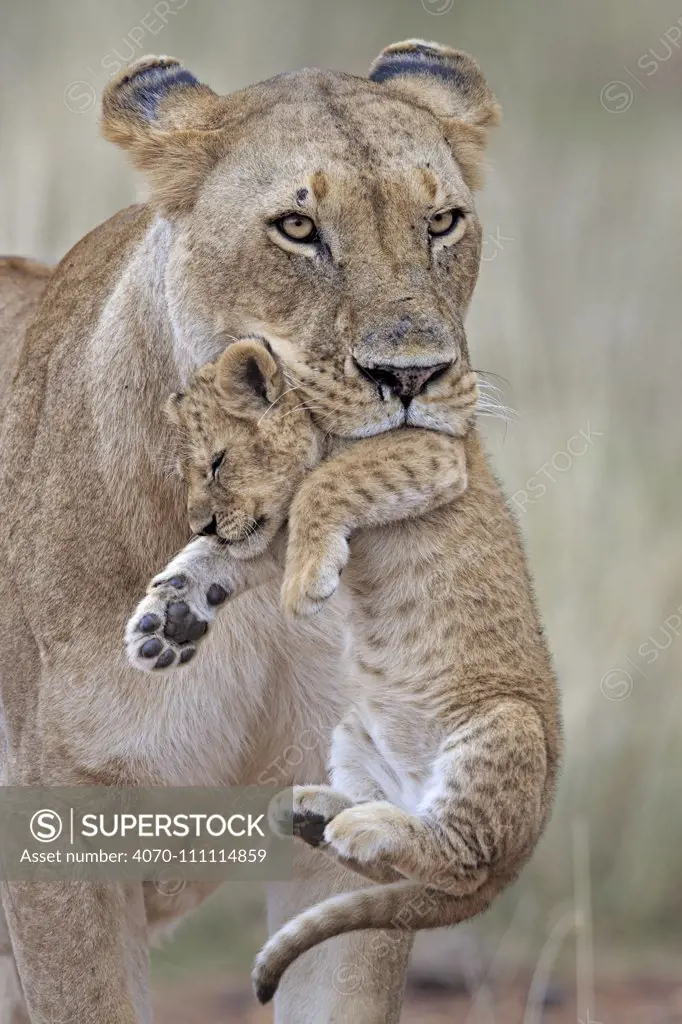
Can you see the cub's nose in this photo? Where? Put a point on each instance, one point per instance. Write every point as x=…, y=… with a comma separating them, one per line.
x=406, y=382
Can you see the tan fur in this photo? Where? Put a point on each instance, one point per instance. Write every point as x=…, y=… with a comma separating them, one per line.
x=444, y=771
x=443, y=775
x=22, y=283
x=125, y=319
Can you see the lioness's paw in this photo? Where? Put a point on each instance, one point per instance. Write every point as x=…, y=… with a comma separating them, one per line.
x=306, y=811
x=312, y=576
x=170, y=621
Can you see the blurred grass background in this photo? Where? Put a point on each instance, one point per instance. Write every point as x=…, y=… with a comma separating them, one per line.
x=577, y=309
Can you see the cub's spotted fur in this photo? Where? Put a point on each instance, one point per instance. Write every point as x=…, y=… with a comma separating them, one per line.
x=442, y=773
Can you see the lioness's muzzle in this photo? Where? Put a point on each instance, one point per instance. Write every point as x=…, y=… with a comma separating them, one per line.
x=405, y=355
x=405, y=382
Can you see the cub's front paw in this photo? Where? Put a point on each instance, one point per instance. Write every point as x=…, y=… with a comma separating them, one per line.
x=305, y=811
x=170, y=621
x=312, y=576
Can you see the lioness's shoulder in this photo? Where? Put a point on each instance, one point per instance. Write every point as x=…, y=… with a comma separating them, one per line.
x=99, y=258
x=22, y=283
x=82, y=281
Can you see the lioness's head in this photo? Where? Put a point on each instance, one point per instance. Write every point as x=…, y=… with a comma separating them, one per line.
x=244, y=443
x=333, y=215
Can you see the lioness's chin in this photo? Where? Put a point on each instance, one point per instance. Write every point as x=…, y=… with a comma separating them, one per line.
x=353, y=430
x=427, y=418
x=416, y=415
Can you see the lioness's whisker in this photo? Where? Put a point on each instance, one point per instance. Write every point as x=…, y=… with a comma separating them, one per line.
x=273, y=404
x=489, y=373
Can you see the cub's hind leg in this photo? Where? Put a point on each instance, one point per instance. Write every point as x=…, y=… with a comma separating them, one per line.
x=483, y=809
x=308, y=810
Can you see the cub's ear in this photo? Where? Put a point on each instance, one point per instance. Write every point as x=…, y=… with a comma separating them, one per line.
x=171, y=408
x=451, y=85
x=166, y=120
x=249, y=378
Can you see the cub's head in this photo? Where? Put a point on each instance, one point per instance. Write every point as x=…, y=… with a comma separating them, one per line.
x=244, y=444
x=332, y=214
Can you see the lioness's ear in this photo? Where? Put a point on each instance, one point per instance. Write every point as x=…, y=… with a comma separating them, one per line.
x=249, y=378
x=166, y=120
x=451, y=85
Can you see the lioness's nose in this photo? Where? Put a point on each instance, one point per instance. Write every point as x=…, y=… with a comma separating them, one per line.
x=406, y=382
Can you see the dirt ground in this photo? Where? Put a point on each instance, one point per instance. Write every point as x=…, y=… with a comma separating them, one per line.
x=636, y=1001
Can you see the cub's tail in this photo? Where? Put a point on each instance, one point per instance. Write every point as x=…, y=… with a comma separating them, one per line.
x=408, y=906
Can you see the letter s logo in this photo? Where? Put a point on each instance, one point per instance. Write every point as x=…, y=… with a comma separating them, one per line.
x=46, y=826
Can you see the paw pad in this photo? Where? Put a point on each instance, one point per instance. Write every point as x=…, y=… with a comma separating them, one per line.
x=150, y=648
x=309, y=827
x=182, y=625
x=165, y=659
x=148, y=623
x=216, y=594
x=177, y=582
x=172, y=619
x=177, y=611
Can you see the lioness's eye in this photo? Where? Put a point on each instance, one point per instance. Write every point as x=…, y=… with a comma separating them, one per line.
x=297, y=227
x=445, y=222
x=217, y=462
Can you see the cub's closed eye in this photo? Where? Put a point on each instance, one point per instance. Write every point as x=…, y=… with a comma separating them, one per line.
x=445, y=222
x=297, y=228
x=216, y=463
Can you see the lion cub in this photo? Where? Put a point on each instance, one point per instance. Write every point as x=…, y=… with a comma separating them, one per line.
x=244, y=444
x=444, y=769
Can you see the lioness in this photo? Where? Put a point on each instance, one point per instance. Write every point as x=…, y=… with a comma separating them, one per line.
x=308, y=209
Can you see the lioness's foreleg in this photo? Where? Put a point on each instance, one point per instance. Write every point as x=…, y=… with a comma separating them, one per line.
x=12, y=1002
x=81, y=951
x=354, y=979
